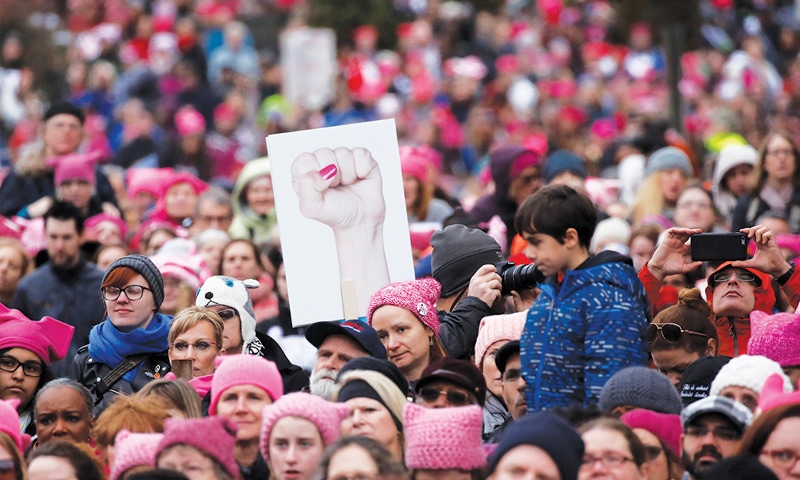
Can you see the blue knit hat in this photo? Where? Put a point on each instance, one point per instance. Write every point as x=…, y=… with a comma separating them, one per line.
x=668, y=158
x=563, y=161
x=640, y=387
x=549, y=432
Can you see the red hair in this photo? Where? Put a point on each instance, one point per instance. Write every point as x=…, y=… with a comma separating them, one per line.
x=119, y=277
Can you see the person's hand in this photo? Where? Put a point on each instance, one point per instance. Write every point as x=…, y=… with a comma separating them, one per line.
x=485, y=284
x=768, y=257
x=111, y=209
x=40, y=207
x=673, y=254
x=341, y=188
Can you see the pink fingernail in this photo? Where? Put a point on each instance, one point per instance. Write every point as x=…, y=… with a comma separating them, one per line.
x=327, y=172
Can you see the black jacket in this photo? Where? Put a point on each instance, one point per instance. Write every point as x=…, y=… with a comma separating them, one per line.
x=87, y=371
x=294, y=377
x=458, y=329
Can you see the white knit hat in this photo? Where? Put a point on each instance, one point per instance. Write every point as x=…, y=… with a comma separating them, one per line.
x=495, y=328
x=227, y=291
x=748, y=371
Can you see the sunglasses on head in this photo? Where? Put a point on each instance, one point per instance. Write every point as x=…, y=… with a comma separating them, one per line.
x=670, y=331
x=743, y=276
x=457, y=399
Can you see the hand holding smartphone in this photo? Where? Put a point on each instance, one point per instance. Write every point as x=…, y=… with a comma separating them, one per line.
x=718, y=246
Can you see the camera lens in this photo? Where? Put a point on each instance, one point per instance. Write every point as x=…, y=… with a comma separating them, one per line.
x=520, y=277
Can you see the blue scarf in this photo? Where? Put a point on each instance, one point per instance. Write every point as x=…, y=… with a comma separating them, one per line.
x=110, y=346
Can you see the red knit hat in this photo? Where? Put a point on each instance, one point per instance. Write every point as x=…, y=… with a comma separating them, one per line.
x=326, y=416
x=234, y=370
x=48, y=338
x=443, y=438
x=214, y=436
x=417, y=296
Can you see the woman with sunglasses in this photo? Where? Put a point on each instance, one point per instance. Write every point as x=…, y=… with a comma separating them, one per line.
x=26, y=350
x=129, y=348
x=681, y=334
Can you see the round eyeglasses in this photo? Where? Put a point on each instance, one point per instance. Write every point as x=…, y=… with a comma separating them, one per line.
x=132, y=292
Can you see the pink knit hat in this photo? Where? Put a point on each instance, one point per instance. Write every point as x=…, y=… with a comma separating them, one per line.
x=414, y=164
x=214, y=436
x=775, y=337
x=9, y=423
x=189, y=121
x=48, y=338
x=189, y=269
x=75, y=166
x=417, y=296
x=443, y=438
x=665, y=426
x=234, y=370
x=134, y=450
x=773, y=394
x=91, y=224
x=146, y=180
x=327, y=416
x=495, y=328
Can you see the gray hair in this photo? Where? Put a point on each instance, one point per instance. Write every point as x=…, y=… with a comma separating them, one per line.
x=69, y=383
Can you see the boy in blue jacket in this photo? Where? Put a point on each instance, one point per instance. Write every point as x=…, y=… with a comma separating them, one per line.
x=590, y=319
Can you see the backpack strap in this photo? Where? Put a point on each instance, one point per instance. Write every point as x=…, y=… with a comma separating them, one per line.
x=103, y=384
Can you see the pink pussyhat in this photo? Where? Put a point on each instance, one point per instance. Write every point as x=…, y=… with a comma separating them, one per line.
x=48, y=338
x=9, y=424
x=443, y=438
x=773, y=394
x=134, y=450
x=74, y=166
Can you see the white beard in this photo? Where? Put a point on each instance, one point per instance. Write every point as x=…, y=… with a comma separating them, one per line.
x=321, y=386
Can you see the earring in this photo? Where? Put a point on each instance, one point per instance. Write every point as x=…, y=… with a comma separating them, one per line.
x=430, y=341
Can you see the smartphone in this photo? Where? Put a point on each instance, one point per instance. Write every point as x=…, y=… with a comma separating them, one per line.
x=718, y=246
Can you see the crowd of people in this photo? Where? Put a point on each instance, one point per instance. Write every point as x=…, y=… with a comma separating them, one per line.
x=559, y=326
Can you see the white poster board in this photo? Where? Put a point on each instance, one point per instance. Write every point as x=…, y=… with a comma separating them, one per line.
x=308, y=66
x=341, y=214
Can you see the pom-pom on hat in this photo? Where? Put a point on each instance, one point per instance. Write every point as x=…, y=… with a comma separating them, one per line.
x=775, y=336
x=417, y=296
x=9, y=423
x=668, y=158
x=443, y=438
x=549, y=432
x=235, y=370
x=134, y=450
x=48, y=338
x=748, y=371
x=144, y=267
x=495, y=328
x=214, y=436
x=458, y=252
x=640, y=387
x=326, y=416
x=230, y=292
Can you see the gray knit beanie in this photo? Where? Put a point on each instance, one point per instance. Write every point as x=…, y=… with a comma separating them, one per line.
x=458, y=252
x=667, y=158
x=146, y=268
x=640, y=387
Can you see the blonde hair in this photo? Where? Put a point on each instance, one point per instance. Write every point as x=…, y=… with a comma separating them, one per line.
x=177, y=394
x=649, y=199
x=191, y=316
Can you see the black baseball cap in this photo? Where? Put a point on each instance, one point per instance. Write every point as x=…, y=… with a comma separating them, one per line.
x=505, y=353
x=461, y=373
x=361, y=332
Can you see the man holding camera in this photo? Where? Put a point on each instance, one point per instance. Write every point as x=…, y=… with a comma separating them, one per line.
x=735, y=288
x=464, y=261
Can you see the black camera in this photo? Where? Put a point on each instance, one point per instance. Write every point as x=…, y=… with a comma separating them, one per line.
x=518, y=277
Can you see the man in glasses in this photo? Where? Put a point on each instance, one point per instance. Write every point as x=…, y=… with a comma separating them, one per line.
x=508, y=362
x=230, y=299
x=58, y=288
x=735, y=288
x=712, y=430
x=450, y=382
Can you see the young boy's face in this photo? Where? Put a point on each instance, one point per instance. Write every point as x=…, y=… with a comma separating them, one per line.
x=549, y=255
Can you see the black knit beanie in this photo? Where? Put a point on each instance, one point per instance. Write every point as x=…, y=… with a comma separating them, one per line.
x=458, y=252
x=65, y=108
x=146, y=268
x=549, y=432
x=696, y=379
x=361, y=389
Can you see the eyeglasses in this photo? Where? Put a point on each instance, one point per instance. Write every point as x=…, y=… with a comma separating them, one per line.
x=430, y=395
x=697, y=205
x=782, y=458
x=133, y=292
x=210, y=219
x=651, y=452
x=670, y=331
x=11, y=364
x=723, y=277
x=780, y=151
x=227, y=314
x=200, y=346
x=610, y=460
x=7, y=467
x=723, y=433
